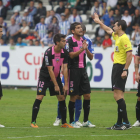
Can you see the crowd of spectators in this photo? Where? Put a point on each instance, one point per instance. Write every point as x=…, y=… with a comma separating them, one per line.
x=38, y=25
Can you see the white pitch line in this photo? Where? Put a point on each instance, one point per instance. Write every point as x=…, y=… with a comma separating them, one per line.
x=72, y=136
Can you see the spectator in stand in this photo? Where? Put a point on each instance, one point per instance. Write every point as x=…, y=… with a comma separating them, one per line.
x=30, y=43
x=52, y=14
x=54, y=26
x=41, y=11
x=3, y=10
x=37, y=43
x=130, y=8
x=82, y=5
x=11, y=42
x=61, y=8
x=111, y=3
x=109, y=18
x=41, y=28
x=117, y=15
x=136, y=35
x=48, y=17
x=138, y=7
x=32, y=9
x=17, y=17
x=122, y=3
x=47, y=40
x=121, y=9
x=128, y=20
x=28, y=18
x=2, y=42
x=20, y=43
x=24, y=30
x=75, y=17
x=104, y=9
x=99, y=44
x=13, y=30
x=7, y=4
x=135, y=2
x=95, y=9
x=97, y=39
x=136, y=18
x=67, y=13
x=4, y=29
x=72, y=3
x=64, y=25
x=31, y=35
x=100, y=33
x=107, y=42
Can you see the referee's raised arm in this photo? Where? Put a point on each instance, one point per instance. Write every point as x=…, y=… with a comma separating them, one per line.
x=106, y=28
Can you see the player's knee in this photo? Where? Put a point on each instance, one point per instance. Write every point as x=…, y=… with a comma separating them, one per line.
x=73, y=98
x=61, y=97
x=40, y=97
x=138, y=98
x=78, y=97
x=86, y=96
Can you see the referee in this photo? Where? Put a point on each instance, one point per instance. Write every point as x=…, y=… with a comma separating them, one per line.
x=0, y=82
x=122, y=60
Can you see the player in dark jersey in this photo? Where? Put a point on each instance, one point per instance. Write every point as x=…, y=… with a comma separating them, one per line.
x=78, y=78
x=0, y=82
x=49, y=77
x=137, y=60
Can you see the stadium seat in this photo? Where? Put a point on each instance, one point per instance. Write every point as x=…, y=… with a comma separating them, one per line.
x=84, y=17
x=48, y=7
x=95, y=27
x=88, y=27
x=55, y=7
x=17, y=7
x=92, y=36
x=128, y=36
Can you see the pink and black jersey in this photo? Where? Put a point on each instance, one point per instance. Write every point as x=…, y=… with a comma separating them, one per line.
x=53, y=59
x=73, y=45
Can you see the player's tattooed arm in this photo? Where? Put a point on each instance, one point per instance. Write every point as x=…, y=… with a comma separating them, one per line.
x=137, y=77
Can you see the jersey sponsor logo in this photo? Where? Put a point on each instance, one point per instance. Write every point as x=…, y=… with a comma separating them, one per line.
x=40, y=89
x=46, y=59
x=57, y=60
x=80, y=47
x=67, y=47
x=71, y=89
x=125, y=45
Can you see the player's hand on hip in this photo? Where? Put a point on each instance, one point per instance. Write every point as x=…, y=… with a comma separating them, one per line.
x=57, y=89
x=124, y=74
x=65, y=89
x=137, y=77
x=96, y=18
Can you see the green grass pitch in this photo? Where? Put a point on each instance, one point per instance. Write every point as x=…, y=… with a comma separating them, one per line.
x=16, y=108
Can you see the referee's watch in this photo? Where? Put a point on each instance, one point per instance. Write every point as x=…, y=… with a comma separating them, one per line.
x=125, y=69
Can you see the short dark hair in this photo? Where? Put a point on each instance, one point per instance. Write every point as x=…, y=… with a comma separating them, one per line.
x=83, y=27
x=40, y=2
x=73, y=25
x=123, y=24
x=50, y=31
x=57, y=38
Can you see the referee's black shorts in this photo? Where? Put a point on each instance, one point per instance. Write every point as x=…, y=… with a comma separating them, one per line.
x=116, y=79
x=138, y=94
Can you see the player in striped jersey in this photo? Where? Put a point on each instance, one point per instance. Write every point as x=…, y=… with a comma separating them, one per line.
x=41, y=28
x=64, y=25
x=78, y=103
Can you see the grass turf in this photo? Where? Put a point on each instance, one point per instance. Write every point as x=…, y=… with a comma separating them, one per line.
x=16, y=109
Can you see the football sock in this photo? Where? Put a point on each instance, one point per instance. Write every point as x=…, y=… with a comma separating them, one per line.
x=78, y=107
x=71, y=111
x=86, y=107
x=119, y=121
x=35, y=109
x=63, y=110
x=138, y=110
x=58, y=112
x=122, y=109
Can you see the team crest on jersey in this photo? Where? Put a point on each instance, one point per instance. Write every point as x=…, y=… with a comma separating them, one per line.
x=40, y=89
x=71, y=89
x=57, y=60
x=117, y=49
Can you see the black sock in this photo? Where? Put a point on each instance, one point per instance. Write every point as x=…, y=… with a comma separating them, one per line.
x=122, y=109
x=35, y=110
x=138, y=110
x=119, y=121
x=71, y=111
x=86, y=107
x=63, y=110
